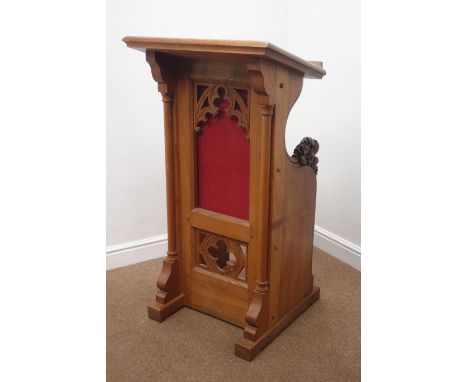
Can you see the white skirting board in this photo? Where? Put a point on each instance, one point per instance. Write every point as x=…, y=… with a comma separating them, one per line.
x=155, y=247
x=338, y=247
x=137, y=251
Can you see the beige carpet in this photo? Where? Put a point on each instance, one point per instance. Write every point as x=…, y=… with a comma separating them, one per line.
x=323, y=344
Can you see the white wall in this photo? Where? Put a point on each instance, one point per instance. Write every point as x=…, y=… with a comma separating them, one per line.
x=328, y=110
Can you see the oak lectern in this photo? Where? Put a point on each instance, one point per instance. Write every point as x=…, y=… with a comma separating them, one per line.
x=240, y=210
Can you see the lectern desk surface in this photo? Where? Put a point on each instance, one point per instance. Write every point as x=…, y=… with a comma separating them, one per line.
x=240, y=210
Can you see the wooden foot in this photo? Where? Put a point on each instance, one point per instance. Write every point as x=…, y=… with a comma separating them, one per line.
x=159, y=312
x=248, y=350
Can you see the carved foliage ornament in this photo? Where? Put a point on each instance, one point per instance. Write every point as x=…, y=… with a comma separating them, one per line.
x=221, y=255
x=217, y=100
x=304, y=153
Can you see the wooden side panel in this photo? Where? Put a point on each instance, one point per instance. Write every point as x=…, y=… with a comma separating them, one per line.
x=298, y=234
x=292, y=210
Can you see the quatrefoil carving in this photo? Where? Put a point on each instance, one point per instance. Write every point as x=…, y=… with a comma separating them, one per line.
x=218, y=99
x=221, y=255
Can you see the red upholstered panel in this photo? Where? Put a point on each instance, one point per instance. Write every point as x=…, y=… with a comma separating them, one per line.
x=223, y=167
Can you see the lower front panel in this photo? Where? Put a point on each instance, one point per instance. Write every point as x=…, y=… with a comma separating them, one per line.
x=218, y=296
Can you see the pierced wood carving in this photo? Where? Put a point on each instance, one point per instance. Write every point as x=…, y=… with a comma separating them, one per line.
x=221, y=255
x=218, y=100
x=305, y=153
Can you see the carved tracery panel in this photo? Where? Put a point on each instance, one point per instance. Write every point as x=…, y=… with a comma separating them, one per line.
x=221, y=255
x=218, y=100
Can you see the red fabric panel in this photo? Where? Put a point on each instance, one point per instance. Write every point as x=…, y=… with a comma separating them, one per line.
x=223, y=167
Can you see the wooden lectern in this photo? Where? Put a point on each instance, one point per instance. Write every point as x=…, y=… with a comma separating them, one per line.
x=240, y=210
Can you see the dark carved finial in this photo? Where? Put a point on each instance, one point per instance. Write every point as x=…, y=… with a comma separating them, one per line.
x=304, y=153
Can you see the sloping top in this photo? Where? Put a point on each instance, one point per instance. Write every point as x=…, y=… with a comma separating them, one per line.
x=233, y=48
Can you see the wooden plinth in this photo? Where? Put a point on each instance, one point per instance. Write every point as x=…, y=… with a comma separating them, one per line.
x=160, y=312
x=248, y=350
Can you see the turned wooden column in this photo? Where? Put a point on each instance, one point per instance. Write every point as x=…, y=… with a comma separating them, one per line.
x=168, y=296
x=257, y=315
x=166, y=293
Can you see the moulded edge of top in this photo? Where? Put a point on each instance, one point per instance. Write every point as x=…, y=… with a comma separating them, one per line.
x=179, y=47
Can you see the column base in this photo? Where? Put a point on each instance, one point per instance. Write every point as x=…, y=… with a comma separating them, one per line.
x=248, y=350
x=159, y=312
